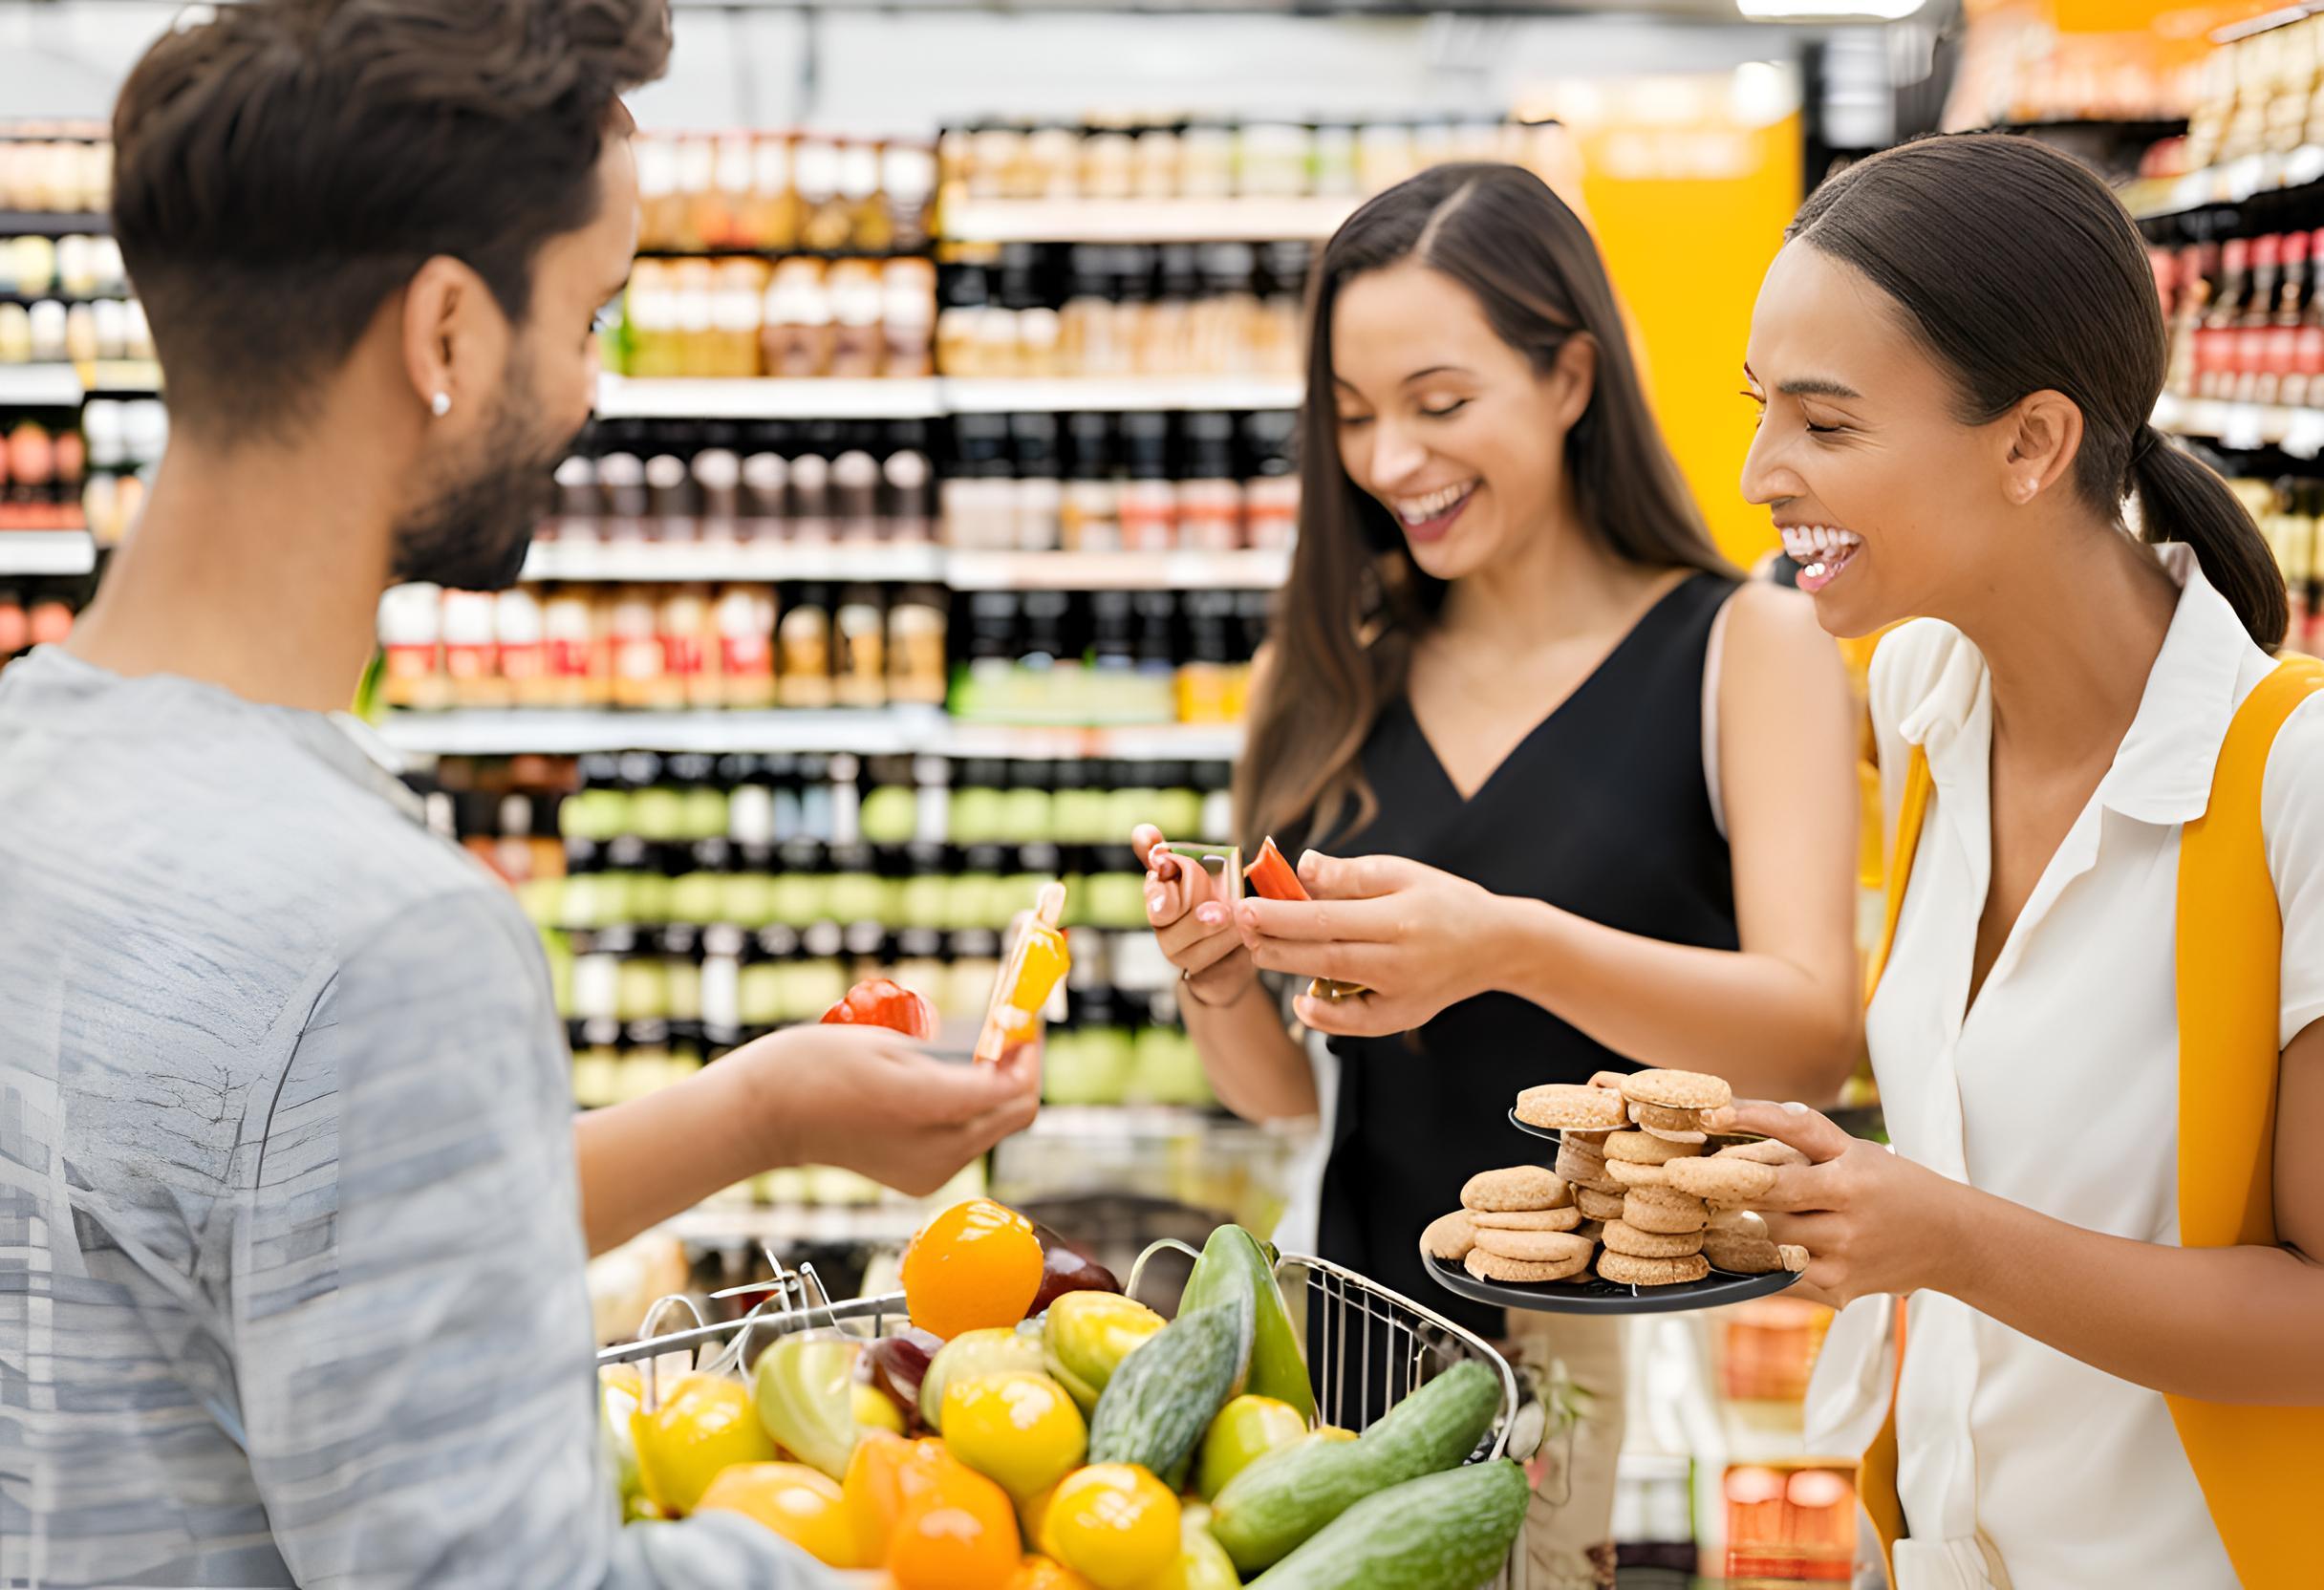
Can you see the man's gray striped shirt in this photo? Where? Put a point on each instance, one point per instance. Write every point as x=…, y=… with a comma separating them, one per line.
x=290, y=1255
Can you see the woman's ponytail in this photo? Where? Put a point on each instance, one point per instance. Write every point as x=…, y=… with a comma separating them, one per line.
x=2181, y=499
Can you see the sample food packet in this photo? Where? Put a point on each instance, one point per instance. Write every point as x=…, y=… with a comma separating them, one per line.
x=1036, y=962
x=1271, y=877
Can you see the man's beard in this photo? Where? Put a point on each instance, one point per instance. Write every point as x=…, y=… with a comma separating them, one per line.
x=474, y=534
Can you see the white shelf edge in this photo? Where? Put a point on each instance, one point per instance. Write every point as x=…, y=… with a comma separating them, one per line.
x=41, y=385
x=1240, y=220
x=893, y=731
x=555, y=732
x=764, y=397
x=1126, y=394
x=730, y=561
x=1172, y=570
x=47, y=552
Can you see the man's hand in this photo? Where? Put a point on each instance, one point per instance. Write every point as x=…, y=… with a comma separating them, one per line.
x=873, y=1101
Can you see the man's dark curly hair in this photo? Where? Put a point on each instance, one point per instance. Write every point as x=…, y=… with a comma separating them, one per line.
x=284, y=166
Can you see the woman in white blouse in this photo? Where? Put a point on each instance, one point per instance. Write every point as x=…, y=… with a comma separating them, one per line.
x=2113, y=1364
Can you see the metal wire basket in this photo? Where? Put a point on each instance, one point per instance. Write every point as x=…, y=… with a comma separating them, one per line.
x=1368, y=1348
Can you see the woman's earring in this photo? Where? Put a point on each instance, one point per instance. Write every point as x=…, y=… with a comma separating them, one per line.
x=441, y=405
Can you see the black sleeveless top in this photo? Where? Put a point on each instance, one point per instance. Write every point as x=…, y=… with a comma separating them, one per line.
x=1602, y=811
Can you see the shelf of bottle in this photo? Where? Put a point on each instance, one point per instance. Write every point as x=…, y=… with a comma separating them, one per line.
x=1244, y=220
x=893, y=731
x=27, y=552
x=1120, y=393
x=2151, y=199
x=2243, y=427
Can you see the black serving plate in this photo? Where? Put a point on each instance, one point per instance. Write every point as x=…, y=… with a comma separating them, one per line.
x=1593, y=1296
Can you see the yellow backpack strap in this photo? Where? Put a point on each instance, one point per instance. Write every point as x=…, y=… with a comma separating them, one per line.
x=1876, y=1472
x=2257, y=1466
x=1918, y=786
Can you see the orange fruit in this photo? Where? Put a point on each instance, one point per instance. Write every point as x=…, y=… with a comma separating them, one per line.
x=883, y=1473
x=1038, y=1573
x=975, y=1266
x=799, y=1503
x=959, y=1533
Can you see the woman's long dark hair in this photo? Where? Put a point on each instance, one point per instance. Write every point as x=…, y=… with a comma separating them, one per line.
x=1342, y=635
x=2021, y=274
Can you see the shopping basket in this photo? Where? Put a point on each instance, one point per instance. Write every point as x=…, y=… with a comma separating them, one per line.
x=1368, y=1348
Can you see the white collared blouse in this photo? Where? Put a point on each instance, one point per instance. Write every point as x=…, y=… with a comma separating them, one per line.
x=2059, y=1090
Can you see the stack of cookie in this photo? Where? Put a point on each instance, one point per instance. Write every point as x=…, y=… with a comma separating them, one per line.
x=1639, y=1185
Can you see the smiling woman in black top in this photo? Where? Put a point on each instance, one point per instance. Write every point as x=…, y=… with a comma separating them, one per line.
x=1590, y=801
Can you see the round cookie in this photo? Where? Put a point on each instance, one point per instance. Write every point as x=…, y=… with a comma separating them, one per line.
x=1726, y=1181
x=1678, y=1089
x=1795, y=1258
x=1594, y=1230
x=1534, y=1247
x=1564, y=1105
x=1449, y=1236
x=1582, y=1164
x=1693, y=1140
x=1629, y=1175
x=1610, y=1080
x=1741, y=1253
x=1763, y=1151
x=1595, y=1205
x=1643, y=1148
x=1624, y=1270
x=1519, y=1187
x=1662, y=1118
x=1485, y=1266
x=1526, y=1219
x=1660, y=1208
x=1623, y=1237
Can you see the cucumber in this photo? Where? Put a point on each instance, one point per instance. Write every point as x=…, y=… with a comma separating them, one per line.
x=1165, y=1394
x=1287, y=1495
x=1441, y=1532
x=1233, y=1263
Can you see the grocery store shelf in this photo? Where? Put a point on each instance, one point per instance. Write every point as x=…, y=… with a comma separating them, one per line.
x=131, y=378
x=635, y=562
x=2243, y=427
x=553, y=732
x=628, y=397
x=40, y=385
x=1128, y=742
x=1145, y=220
x=1182, y=571
x=794, y=1226
x=2232, y=183
x=1120, y=393
x=893, y=731
x=47, y=552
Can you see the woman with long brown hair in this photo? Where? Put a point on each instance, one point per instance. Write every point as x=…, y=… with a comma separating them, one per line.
x=1589, y=799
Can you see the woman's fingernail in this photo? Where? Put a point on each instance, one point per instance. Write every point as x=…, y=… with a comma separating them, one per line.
x=1154, y=904
x=1209, y=915
x=1795, y=1106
